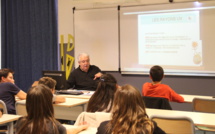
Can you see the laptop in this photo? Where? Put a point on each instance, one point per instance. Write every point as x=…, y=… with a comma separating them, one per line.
x=69, y=92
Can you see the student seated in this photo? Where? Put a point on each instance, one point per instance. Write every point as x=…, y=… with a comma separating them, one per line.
x=102, y=99
x=40, y=115
x=51, y=83
x=156, y=89
x=129, y=115
x=8, y=90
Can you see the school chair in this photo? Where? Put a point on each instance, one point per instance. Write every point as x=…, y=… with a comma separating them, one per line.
x=206, y=106
x=174, y=125
x=4, y=108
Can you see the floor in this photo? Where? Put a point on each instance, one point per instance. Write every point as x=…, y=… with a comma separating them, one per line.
x=201, y=132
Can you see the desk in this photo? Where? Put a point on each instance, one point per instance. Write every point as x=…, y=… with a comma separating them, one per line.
x=89, y=130
x=189, y=98
x=8, y=119
x=71, y=102
x=75, y=96
x=200, y=119
x=68, y=110
x=71, y=109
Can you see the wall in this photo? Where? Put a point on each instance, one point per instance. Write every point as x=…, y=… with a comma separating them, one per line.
x=182, y=85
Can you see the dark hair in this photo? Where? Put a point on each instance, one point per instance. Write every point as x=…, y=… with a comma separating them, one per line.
x=129, y=114
x=4, y=72
x=40, y=111
x=156, y=73
x=48, y=81
x=102, y=99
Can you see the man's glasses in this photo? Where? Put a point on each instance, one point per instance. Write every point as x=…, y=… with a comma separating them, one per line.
x=83, y=61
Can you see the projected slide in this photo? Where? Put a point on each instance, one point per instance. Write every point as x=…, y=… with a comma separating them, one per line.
x=180, y=38
x=171, y=39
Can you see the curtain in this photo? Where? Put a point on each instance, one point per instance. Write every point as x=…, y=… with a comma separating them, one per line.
x=29, y=38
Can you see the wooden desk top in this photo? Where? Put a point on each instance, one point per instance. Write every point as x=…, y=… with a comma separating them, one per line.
x=76, y=96
x=71, y=102
x=90, y=130
x=8, y=118
x=189, y=98
x=201, y=119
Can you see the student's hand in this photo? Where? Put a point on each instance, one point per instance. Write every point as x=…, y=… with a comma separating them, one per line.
x=59, y=99
x=83, y=123
x=1, y=114
x=98, y=75
x=35, y=83
x=82, y=127
x=79, y=128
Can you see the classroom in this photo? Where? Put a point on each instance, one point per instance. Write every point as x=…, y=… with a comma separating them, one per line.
x=102, y=29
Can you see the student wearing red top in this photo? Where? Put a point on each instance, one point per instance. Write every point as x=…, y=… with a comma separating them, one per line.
x=156, y=89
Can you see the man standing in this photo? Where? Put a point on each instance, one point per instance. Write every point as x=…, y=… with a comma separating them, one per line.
x=85, y=76
x=8, y=90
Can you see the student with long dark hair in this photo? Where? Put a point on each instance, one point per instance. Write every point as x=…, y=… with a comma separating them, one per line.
x=102, y=99
x=129, y=115
x=40, y=114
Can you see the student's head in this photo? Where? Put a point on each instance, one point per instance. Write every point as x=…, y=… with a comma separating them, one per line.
x=49, y=82
x=39, y=102
x=129, y=114
x=84, y=61
x=40, y=111
x=103, y=97
x=6, y=75
x=107, y=82
x=128, y=100
x=156, y=73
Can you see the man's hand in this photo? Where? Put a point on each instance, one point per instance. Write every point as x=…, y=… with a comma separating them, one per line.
x=98, y=75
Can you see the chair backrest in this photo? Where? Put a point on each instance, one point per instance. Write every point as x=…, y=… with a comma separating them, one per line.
x=204, y=105
x=156, y=102
x=174, y=125
x=4, y=127
x=21, y=108
x=3, y=106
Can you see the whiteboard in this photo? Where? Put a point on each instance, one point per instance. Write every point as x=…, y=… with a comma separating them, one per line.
x=96, y=33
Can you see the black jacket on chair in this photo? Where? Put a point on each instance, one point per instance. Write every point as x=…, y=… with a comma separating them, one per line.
x=157, y=102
